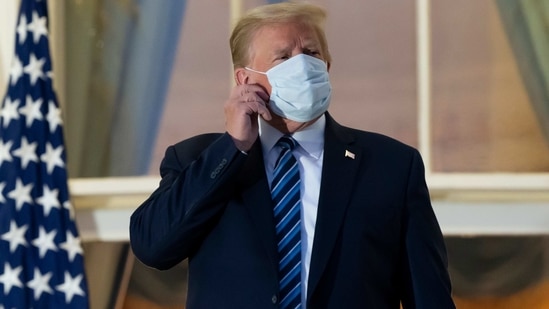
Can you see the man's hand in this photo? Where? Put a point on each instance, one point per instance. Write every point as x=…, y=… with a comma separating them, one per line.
x=245, y=103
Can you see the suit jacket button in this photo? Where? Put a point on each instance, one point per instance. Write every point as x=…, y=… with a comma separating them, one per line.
x=274, y=299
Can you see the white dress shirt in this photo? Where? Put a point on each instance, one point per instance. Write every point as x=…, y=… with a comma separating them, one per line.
x=309, y=154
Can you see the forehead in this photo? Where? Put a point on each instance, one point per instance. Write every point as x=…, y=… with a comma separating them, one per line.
x=284, y=35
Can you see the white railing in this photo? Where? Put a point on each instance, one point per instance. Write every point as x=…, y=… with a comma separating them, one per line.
x=465, y=204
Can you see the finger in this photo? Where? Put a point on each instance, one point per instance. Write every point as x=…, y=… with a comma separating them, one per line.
x=265, y=113
x=250, y=99
x=263, y=95
x=262, y=109
x=255, y=89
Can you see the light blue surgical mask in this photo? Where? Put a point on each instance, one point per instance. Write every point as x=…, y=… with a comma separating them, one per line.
x=301, y=89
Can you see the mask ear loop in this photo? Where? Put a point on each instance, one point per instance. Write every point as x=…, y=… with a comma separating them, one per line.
x=255, y=71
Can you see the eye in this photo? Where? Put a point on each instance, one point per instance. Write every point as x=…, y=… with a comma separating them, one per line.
x=312, y=52
x=281, y=58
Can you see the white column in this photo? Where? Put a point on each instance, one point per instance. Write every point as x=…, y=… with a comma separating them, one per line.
x=423, y=34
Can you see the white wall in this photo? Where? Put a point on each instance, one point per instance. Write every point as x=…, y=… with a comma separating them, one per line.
x=8, y=19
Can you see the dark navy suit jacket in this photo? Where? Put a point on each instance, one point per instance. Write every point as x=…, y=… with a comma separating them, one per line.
x=377, y=241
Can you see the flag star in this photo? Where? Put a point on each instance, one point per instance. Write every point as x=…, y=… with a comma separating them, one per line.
x=38, y=26
x=54, y=116
x=71, y=287
x=9, y=111
x=67, y=205
x=31, y=110
x=27, y=152
x=45, y=241
x=52, y=157
x=5, y=149
x=34, y=68
x=40, y=283
x=22, y=29
x=2, y=198
x=16, y=70
x=49, y=200
x=21, y=194
x=10, y=278
x=72, y=246
x=15, y=236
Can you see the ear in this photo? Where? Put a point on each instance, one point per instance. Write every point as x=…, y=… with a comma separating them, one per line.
x=328, y=65
x=241, y=76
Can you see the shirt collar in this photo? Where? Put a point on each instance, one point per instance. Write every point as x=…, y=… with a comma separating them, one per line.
x=311, y=138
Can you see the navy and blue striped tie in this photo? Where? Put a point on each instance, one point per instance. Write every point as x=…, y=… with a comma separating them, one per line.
x=285, y=192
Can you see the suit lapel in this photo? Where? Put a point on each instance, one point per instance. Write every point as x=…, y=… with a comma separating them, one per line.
x=340, y=166
x=257, y=199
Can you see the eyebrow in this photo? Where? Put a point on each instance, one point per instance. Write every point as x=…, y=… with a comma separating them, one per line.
x=309, y=45
x=281, y=51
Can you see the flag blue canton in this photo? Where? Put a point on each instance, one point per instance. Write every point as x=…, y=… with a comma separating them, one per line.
x=41, y=259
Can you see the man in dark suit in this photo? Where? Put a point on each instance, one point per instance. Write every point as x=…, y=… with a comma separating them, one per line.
x=352, y=227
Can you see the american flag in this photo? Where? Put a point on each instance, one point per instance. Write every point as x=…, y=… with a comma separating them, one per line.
x=41, y=259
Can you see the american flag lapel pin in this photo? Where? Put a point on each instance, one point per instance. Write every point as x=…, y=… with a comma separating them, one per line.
x=349, y=154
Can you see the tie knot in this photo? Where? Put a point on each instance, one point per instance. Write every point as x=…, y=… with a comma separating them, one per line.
x=286, y=142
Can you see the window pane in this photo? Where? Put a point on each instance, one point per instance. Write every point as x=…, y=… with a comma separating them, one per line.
x=483, y=120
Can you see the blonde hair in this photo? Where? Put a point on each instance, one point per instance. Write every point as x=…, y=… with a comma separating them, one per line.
x=254, y=19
